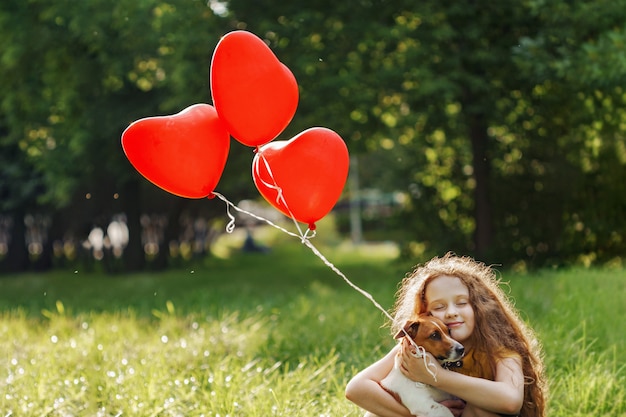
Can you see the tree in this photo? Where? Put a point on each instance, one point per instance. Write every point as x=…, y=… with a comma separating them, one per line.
x=486, y=110
x=415, y=77
x=74, y=76
x=575, y=114
x=500, y=121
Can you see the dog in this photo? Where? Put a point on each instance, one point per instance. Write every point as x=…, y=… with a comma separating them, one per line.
x=421, y=399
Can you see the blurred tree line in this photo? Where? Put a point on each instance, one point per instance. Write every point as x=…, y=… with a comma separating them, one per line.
x=502, y=122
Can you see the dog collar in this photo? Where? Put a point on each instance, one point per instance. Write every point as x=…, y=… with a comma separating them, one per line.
x=449, y=365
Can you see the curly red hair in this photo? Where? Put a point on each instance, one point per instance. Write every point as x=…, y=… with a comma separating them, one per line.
x=499, y=327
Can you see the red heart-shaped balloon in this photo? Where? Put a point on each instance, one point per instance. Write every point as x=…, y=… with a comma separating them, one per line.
x=304, y=176
x=184, y=153
x=253, y=92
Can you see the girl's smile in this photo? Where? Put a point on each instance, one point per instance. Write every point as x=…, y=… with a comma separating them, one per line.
x=502, y=370
x=447, y=298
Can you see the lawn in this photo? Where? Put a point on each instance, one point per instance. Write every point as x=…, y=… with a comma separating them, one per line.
x=276, y=334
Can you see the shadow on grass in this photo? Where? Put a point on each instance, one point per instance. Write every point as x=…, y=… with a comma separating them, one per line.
x=243, y=282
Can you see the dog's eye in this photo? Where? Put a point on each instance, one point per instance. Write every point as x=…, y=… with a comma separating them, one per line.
x=435, y=336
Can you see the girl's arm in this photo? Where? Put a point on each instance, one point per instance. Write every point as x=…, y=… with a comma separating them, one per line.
x=505, y=395
x=365, y=391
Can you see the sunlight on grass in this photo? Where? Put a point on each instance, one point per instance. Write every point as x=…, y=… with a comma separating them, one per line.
x=119, y=364
x=229, y=244
x=587, y=384
x=276, y=334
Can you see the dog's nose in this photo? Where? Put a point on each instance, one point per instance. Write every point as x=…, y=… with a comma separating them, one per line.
x=459, y=350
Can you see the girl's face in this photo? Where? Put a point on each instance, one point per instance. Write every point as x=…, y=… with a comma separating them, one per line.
x=447, y=298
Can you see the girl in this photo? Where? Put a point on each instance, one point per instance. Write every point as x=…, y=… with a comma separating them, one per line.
x=502, y=370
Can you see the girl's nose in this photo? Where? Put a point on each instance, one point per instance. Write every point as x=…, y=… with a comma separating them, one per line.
x=452, y=311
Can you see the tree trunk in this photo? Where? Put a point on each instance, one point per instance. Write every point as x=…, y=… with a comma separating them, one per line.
x=483, y=233
x=134, y=257
x=16, y=259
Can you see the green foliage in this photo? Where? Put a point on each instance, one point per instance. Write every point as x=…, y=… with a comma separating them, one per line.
x=273, y=334
x=502, y=123
x=76, y=74
x=497, y=120
x=577, y=42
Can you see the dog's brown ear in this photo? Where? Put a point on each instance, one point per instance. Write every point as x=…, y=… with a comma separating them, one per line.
x=410, y=328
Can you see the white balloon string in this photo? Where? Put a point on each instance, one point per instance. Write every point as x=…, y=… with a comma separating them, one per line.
x=329, y=264
x=273, y=185
x=305, y=239
x=309, y=234
x=420, y=353
x=240, y=210
x=419, y=350
x=230, y=226
x=279, y=191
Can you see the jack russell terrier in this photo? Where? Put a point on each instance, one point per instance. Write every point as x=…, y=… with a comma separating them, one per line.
x=433, y=336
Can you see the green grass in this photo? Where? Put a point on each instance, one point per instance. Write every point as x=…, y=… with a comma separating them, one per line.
x=266, y=335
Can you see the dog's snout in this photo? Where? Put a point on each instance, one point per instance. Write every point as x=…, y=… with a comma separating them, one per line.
x=459, y=350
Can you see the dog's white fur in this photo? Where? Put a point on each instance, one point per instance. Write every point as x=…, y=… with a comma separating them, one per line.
x=422, y=399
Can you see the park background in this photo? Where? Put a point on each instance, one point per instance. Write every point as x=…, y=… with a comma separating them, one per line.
x=490, y=129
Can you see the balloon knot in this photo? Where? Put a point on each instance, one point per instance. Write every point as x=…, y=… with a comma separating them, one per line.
x=255, y=150
x=211, y=196
x=312, y=226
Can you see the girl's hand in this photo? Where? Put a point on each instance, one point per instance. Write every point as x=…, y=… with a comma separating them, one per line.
x=414, y=368
x=455, y=406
